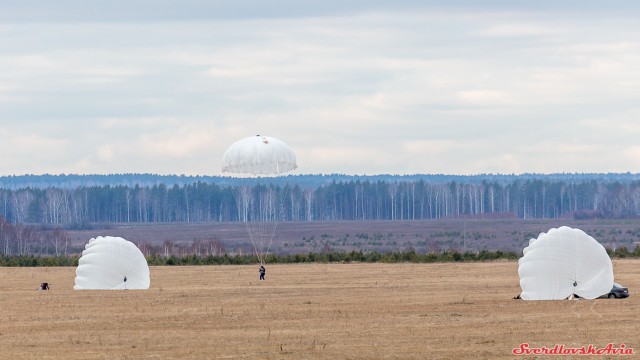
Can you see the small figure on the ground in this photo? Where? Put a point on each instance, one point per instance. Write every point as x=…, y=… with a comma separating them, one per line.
x=44, y=286
x=262, y=271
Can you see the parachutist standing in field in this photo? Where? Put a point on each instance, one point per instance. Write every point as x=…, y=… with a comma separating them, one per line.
x=262, y=271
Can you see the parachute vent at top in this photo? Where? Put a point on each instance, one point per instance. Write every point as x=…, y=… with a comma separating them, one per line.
x=259, y=155
x=564, y=262
x=111, y=263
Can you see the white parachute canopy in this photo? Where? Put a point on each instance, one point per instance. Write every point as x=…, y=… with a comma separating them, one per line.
x=259, y=155
x=259, y=207
x=111, y=263
x=563, y=262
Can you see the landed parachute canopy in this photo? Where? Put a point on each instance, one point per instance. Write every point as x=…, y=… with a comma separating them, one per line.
x=563, y=262
x=111, y=263
x=259, y=155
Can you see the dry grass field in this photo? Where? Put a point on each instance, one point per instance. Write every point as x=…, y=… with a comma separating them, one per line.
x=316, y=311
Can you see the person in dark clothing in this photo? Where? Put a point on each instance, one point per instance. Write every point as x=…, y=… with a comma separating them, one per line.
x=262, y=271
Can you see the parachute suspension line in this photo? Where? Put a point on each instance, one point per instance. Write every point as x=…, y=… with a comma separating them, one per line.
x=254, y=241
x=259, y=213
x=278, y=213
x=245, y=204
x=271, y=236
x=269, y=219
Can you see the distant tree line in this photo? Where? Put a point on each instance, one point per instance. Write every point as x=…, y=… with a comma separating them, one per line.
x=78, y=207
x=71, y=181
x=19, y=240
x=408, y=256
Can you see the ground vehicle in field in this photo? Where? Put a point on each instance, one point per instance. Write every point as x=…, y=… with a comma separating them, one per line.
x=617, y=291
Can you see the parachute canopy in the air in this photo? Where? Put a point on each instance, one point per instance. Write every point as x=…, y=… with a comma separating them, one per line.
x=259, y=155
x=564, y=262
x=111, y=263
x=259, y=208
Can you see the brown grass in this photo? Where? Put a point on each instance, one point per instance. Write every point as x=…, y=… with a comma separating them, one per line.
x=317, y=311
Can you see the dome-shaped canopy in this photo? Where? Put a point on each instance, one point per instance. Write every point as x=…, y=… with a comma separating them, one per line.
x=111, y=263
x=259, y=155
x=562, y=262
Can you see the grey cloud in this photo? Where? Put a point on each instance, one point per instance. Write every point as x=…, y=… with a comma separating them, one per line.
x=430, y=90
x=206, y=10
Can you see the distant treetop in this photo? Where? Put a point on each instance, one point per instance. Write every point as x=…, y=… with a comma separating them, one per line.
x=305, y=180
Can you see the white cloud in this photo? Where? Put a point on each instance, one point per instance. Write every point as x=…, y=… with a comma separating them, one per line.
x=507, y=30
x=377, y=90
x=105, y=74
x=483, y=97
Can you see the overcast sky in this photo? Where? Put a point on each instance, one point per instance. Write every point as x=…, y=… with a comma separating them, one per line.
x=355, y=87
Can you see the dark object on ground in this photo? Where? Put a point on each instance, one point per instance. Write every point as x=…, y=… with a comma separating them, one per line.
x=44, y=286
x=617, y=291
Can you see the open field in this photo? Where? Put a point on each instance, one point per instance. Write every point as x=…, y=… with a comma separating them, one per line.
x=312, y=311
x=422, y=235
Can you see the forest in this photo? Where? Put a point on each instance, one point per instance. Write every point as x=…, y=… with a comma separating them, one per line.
x=365, y=200
x=34, y=218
